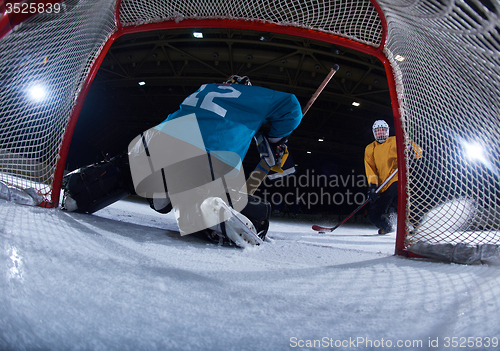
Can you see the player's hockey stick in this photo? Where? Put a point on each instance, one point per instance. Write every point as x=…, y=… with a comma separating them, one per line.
x=326, y=229
x=260, y=172
x=313, y=98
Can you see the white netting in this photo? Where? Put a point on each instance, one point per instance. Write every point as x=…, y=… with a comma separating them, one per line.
x=357, y=20
x=450, y=106
x=54, y=52
x=43, y=64
x=448, y=86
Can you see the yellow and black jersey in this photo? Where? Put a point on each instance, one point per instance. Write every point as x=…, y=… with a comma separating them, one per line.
x=380, y=161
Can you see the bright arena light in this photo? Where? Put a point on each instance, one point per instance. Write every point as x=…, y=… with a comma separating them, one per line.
x=37, y=92
x=474, y=151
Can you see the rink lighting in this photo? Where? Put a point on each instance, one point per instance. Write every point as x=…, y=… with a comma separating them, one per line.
x=198, y=35
x=142, y=83
x=320, y=140
x=355, y=103
x=474, y=152
x=37, y=93
x=308, y=152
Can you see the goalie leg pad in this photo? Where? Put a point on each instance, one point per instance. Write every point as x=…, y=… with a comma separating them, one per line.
x=231, y=224
x=160, y=204
x=258, y=211
x=94, y=187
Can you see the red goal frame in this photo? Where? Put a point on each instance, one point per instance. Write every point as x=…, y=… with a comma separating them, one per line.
x=9, y=21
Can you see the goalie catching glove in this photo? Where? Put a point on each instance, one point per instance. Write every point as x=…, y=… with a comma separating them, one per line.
x=273, y=151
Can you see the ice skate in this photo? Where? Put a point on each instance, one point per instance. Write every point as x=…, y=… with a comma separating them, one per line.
x=69, y=204
x=226, y=222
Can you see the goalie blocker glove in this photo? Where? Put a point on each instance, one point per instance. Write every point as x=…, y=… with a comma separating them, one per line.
x=273, y=151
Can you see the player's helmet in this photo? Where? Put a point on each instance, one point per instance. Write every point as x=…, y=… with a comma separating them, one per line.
x=380, y=131
x=236, y=79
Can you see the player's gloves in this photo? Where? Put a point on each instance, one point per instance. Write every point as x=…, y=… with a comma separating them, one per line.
x=279, y=148
x=372, y=193
x=272, y=150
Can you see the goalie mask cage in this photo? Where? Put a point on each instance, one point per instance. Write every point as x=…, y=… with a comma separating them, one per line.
x=442, y=60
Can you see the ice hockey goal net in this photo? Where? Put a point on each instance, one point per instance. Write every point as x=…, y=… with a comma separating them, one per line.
x=442, y=61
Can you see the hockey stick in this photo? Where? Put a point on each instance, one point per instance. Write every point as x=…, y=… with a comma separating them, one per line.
x=313, y=98
x=325, y=229
x=261, y=171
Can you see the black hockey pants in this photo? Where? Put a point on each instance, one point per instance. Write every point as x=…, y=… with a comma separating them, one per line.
x=378, y=210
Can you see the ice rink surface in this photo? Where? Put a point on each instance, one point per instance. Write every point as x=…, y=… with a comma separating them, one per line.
x=123, y=279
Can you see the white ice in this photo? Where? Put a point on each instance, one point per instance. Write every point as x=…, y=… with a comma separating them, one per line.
x=123, y=279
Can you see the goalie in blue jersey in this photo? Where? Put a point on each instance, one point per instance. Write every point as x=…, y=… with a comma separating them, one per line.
x=191, y=162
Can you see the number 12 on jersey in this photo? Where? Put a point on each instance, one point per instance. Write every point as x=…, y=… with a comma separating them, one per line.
x=207, y=102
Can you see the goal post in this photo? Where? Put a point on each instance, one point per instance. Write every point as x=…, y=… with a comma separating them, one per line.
x=442, y=99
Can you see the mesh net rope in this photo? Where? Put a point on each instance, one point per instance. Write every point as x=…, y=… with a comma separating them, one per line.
x=447, y=86
x=54, y=51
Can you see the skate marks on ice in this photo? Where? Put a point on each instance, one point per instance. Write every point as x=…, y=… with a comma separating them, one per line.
x=349, y=236
x=362, y=237
x=89, y=282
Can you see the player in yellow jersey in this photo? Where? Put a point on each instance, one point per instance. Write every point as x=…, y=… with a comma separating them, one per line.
x=381, y=160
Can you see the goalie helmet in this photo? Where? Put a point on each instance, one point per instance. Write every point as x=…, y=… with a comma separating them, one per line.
x=380, y=131
x=236, y=79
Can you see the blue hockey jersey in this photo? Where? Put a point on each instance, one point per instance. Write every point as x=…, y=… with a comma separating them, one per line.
x=228, y=116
